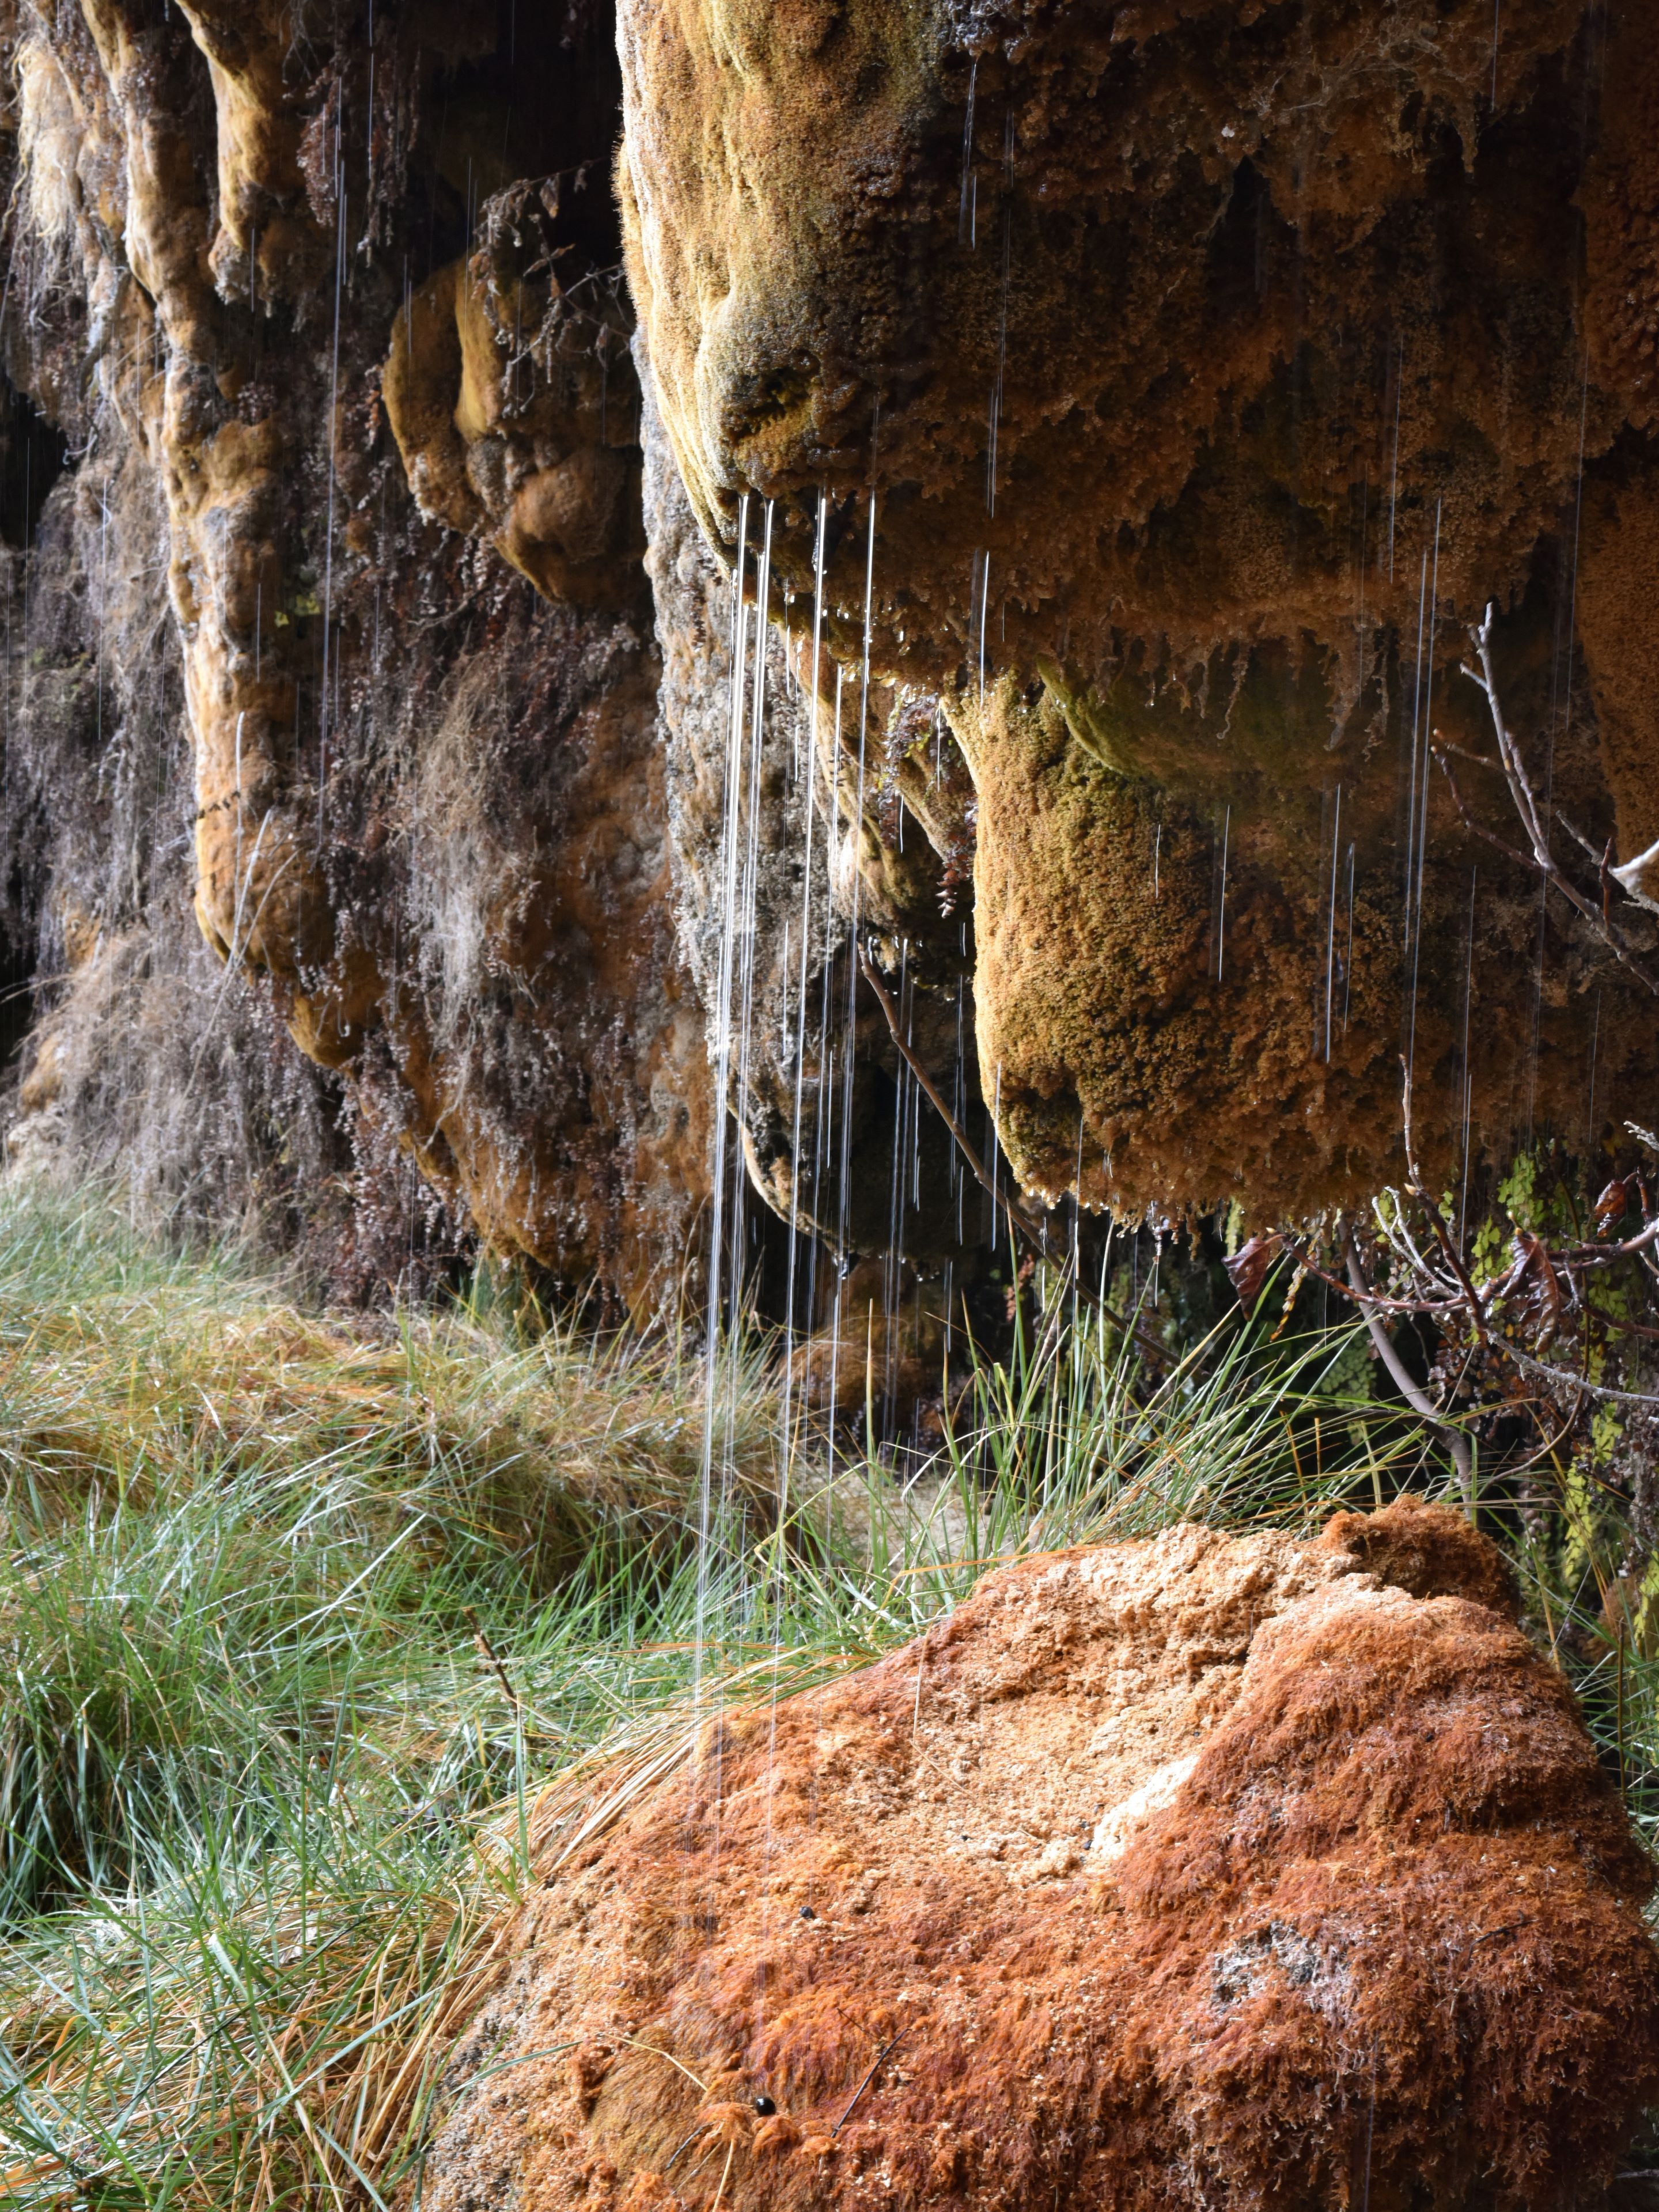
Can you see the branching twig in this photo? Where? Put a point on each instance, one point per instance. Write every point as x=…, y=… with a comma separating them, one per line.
x=1018, y=1220
x=491, y=1658
x=1514, y=769
x=1374, y=1301
x=1575, y=1381
x=1456, y=1442
x=1542, y=1285
x=1602, y=1255
x=1420, y=1191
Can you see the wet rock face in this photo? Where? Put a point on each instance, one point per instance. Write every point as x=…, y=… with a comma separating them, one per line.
x=511, y=393
x=1209, y=377
x=1160, y=395
x=337, y=297
x=1197, y=1870
x=825, y=1115
x=342, y=326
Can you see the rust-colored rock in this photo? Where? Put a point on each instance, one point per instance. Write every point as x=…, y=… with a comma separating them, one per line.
x=1206, y=1869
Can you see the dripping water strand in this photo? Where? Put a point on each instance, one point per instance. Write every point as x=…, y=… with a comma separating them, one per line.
x=1221, y=914
x=855, y=834
x=964, y=211
x=1417, y=851
x=323, y=701
x=746, y=905
x=727, y=916
x=1002, y=319
x=984, y=580
x=1330, y=930
x=1468, y=1073
x=806, y=785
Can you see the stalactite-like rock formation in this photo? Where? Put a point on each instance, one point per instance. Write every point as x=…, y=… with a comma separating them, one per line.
x=281, y=284
x=1208, y=373
x=1204, y=1870
x=1162, y=395
x=327, y=304
x=794, y=1107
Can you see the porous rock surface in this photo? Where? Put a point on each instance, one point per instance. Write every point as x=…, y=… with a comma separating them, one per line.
x=348, y=614
x=1209, y=1869
x=819, y=1138
x=1163, y=389
x=1183, y=381
x=322, y=301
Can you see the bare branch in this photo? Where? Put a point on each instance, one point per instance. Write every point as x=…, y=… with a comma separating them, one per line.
x=1454, y=1439
x=1478, y=829
x=1420, y=1191
x=1572, y=1381
x=1532, y=821
x=1019, y=1221
x=1590, y=852
x=1377, y=1301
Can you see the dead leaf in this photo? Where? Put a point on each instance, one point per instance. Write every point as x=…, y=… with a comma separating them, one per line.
x=1614, y=1202
x=1249, y=1268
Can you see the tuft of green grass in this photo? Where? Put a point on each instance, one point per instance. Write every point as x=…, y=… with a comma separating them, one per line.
x=315, y=1640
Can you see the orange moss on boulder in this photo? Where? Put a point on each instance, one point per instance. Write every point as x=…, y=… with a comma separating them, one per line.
x=1204, y=1869
x=1427, y=1552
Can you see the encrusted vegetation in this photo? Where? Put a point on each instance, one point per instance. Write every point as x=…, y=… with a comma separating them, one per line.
x=487, y=791
x=248, y=672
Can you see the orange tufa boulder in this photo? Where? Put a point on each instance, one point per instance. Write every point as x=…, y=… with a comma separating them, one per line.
x=1201, y=1871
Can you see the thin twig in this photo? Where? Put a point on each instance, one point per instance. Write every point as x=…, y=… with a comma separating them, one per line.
x=1456, y=1443
x=1532, y=821
x=1490, y=1934
x=1018, y=1217
x=1019, y=1221
x=1369, y=1300
x=1420, y=1191
x=1478, y=829
x=1573, y=1382
x=1602, y=1255
x=881, y=2059
x=491, y=1658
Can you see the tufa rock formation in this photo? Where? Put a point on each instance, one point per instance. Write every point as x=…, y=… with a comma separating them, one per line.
x=1180, y=385
x=344, y=616
x=1032, y=534
x=1206, y=1869
x=322, y=359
